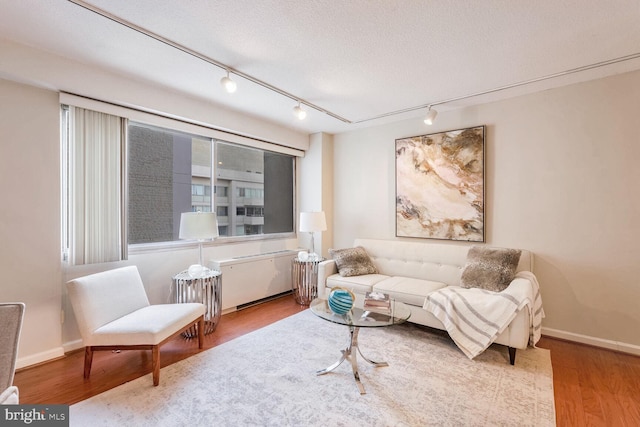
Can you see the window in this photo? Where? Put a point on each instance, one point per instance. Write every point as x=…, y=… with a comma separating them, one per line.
x=197, y=190
x=170, y=171
x=251, y=193
x=255, y=211
x=261, y=184
x=221, y=191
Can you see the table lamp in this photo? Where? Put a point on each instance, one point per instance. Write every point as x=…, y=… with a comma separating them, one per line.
x=311, y=222
x=199, y=226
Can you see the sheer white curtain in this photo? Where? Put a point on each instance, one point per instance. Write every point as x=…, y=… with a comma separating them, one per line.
x=96, y=187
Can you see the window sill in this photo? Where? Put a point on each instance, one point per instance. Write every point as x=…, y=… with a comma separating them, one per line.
x=143, y=248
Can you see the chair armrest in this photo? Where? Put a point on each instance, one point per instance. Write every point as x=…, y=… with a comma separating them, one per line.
x=325, y=269
x=10, y=396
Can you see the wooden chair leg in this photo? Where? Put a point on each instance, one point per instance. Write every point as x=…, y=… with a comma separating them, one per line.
x=155, y=363
x=88, y=359
x=201, y=332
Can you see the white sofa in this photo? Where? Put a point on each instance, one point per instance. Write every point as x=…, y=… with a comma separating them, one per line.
x=409, y=271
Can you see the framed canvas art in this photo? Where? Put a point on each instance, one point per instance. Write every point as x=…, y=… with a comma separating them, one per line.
x=440, y=185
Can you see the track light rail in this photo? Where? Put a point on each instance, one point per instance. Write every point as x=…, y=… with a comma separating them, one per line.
x=505, y=87
x=299, y=100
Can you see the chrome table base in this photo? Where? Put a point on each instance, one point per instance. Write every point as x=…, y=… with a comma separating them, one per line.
x=351, y=353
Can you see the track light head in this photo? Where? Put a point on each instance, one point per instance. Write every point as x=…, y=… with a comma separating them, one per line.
x=431, y=116
x=228, y=84
x=299, y=112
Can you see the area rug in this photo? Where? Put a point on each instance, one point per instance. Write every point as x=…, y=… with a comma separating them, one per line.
x=267, y=378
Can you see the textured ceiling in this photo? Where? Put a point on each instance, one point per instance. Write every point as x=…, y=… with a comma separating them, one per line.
x=358, y=59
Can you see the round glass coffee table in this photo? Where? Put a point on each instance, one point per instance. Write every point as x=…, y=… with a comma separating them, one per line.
x=355, y=319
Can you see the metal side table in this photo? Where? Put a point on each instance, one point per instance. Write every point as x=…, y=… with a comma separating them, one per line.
x=206, y=289
x=305, y=279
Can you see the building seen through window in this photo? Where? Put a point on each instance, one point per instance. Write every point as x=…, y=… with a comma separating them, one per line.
x=172, y=172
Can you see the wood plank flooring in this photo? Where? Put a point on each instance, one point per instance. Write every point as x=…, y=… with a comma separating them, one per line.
x=61, y=380
x=592, y=386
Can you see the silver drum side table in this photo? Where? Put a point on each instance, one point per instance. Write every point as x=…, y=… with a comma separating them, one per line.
x=305, y=280
x=206, y=289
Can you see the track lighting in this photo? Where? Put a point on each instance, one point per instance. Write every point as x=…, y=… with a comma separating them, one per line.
x=228, y=84
x=299, y=112
x=431, y=116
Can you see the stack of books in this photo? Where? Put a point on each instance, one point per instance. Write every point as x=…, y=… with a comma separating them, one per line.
x=377, y=301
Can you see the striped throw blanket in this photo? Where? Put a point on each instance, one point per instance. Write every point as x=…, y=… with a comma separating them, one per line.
x=475, y=317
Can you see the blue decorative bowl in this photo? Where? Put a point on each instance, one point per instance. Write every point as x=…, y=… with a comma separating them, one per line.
x=340, y=300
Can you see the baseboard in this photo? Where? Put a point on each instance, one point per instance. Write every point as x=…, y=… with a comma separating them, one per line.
x=256, y=302
x=596, y=342
x=34, y=359
x=261, y=300
x=72, y=345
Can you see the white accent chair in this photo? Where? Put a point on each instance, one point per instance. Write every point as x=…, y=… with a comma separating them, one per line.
x=113, y=313
x=11, y=315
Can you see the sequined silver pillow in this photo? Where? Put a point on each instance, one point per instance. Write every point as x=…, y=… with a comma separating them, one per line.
x=353, y=261
x=490, y=268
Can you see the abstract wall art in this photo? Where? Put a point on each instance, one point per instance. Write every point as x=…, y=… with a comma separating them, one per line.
x=440, y=185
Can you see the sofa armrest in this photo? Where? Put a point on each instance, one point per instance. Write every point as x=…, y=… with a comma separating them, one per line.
x=325, y=269
x=525, y=288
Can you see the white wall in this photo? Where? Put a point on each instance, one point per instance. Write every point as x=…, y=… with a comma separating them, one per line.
x=41, y=69
x=561, y=180
x=316, y=189
x=30, y=214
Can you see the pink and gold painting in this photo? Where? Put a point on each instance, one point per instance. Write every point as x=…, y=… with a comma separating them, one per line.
x=440, y=185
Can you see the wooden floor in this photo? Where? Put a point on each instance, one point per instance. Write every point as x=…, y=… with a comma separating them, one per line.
x=61, y=381
x=593, y=387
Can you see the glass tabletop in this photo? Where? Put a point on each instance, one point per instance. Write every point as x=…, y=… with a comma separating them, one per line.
x=360, y=317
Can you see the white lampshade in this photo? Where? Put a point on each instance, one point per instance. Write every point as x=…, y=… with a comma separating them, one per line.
x=312, y=221
x=198, y=225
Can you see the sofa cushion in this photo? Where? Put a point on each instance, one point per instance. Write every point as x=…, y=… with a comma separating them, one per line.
x=353, y=261
x=408, y=290
x=490, y=268
x=358, y=284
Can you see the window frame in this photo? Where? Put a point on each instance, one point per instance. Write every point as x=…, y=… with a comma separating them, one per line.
x=180, y=124
x=139, y=248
